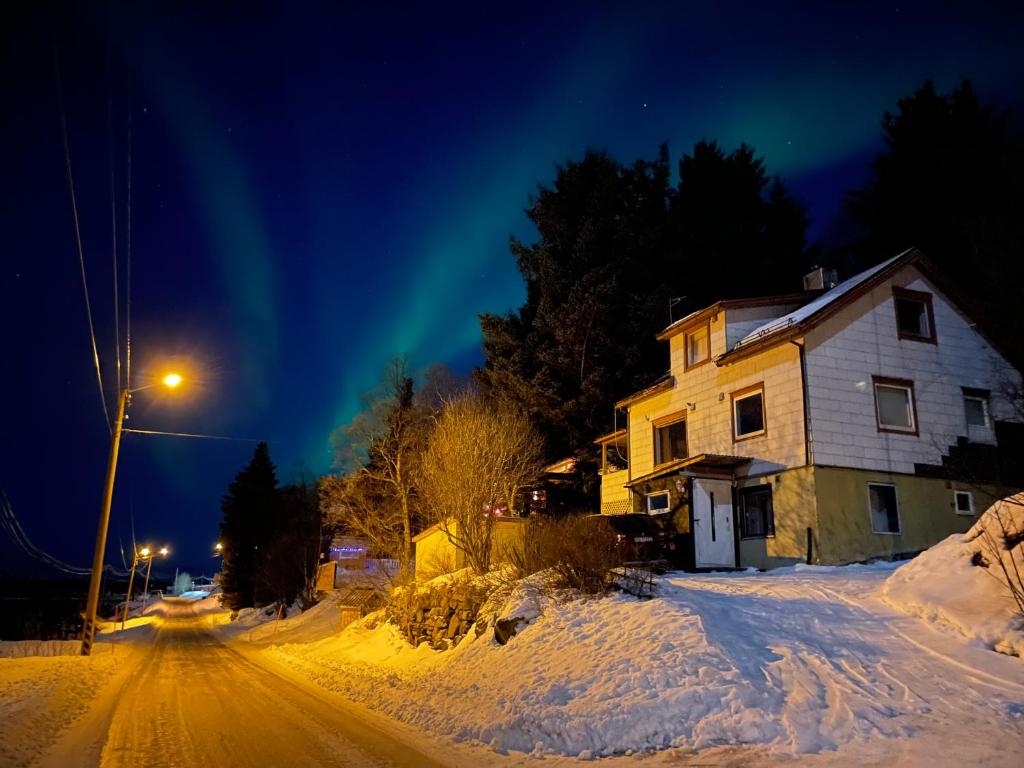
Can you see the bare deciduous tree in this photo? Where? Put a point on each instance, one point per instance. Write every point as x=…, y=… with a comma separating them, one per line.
x=381, y=448
x=478, y=460
x=354, y=504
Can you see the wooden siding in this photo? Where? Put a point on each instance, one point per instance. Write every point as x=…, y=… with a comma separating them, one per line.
x=615, y=497
x=860, y=342
x=709, y=423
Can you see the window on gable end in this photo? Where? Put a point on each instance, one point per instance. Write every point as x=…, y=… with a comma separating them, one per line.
x=915, y=318
x=698, y=346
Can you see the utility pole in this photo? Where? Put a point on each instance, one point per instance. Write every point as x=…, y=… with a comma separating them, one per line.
x=128, y=597
x=93, y=601
x=171, y=380
x=145, y=588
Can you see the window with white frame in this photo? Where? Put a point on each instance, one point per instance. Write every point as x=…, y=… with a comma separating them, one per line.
x=657, y=503
x=884, y=508
x=963, y=502
x=748, y=412
x=698, y=346
x=976, y=409
x=894, y=405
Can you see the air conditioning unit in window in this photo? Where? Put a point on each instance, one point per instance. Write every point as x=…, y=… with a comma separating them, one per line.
x=820, y=279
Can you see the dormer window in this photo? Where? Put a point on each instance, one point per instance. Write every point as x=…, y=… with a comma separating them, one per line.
x=915, y=319
x=698, y=346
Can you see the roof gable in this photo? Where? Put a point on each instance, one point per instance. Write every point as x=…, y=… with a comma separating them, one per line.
x=800, y=320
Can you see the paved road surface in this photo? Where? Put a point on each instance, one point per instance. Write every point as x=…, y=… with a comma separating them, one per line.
x=195, y=702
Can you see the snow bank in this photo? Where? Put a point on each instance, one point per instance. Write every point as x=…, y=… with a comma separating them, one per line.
x=19, y=649
x=588, y=676
x=945, y=586
x=41, y=697
x=804, y=661
x=260, y=627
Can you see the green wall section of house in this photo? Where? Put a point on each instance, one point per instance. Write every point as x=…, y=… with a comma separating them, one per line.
x=926, y=512
x=833, y=503
x=793, y=500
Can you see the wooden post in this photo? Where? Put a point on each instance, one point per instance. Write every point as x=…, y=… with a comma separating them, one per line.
x=810, y=545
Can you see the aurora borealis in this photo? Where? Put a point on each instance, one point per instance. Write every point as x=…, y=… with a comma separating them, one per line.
x=317, y=191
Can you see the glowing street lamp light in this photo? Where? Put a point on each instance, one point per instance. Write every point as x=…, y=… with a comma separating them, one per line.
x=218, y=549
x=146, y=553
x=170, y=380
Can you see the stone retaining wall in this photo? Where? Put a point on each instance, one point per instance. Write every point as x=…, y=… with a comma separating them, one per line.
x=439, y=614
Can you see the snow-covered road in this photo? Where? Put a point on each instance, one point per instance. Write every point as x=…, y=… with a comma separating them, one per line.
x=194, y=701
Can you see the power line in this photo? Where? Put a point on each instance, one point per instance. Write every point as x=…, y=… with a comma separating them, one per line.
x=128, y=264
x=194, y=434
x=78, y=233
x=9, y=522
x=113, y=225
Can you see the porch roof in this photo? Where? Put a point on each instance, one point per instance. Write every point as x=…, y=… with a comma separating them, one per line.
x=611, y=437
x=707, y=461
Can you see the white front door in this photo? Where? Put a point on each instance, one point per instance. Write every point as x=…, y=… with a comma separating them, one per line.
x=712, y=523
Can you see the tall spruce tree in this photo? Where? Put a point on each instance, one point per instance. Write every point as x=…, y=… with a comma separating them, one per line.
x=251, y=517
x=615, y=244
x=951, y=182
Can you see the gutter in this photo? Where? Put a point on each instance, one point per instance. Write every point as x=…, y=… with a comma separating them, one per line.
x=808, y=437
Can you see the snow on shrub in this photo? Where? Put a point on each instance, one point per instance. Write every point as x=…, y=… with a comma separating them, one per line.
x=968, y=581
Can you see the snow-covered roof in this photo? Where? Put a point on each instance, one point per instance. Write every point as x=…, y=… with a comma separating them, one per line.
x=813, y=307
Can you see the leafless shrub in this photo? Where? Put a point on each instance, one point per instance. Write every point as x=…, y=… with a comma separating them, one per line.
x=579, y=552
x=478, y=460
x=1001, y=536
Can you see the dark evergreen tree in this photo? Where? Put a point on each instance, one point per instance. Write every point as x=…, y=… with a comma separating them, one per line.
x=951, y=182
x=615, y=245
x=251, y=516
x=286, y=566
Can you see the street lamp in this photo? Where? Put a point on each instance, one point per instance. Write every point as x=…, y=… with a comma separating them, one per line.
x=143, y=554
x=218, y=550
x=170, y=380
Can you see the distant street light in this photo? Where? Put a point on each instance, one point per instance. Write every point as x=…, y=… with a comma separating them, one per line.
x=170, y=380
x=143, y=554
x=218, y=550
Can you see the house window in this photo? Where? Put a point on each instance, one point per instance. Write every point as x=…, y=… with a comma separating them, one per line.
x=670, y=441
x=698, y=346
x=963, y=502
x=885, y=512
x=757, y=517
x=914, y=317
x=657, y=503
x=976, y=408
x=748, y=412
x=894, y=405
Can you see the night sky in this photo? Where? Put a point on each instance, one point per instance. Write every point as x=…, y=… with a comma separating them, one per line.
x=315, y=190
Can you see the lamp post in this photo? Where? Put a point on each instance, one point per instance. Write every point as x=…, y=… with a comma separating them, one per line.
x=171, y=380
x=145, y=554
x=149, y=569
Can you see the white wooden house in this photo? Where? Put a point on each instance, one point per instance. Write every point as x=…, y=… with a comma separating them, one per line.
x=834, y=426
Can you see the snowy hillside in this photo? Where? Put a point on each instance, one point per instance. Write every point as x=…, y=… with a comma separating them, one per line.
x=802, y=661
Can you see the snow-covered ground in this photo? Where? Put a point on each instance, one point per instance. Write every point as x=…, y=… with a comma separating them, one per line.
x=859, y=665
x=805, y=662
x=945, y=586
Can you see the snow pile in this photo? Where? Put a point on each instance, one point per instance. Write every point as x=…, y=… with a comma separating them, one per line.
x=959, y=583
x=41, y=697
x=802, y=661
x=19, y=649
x=261, y=627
